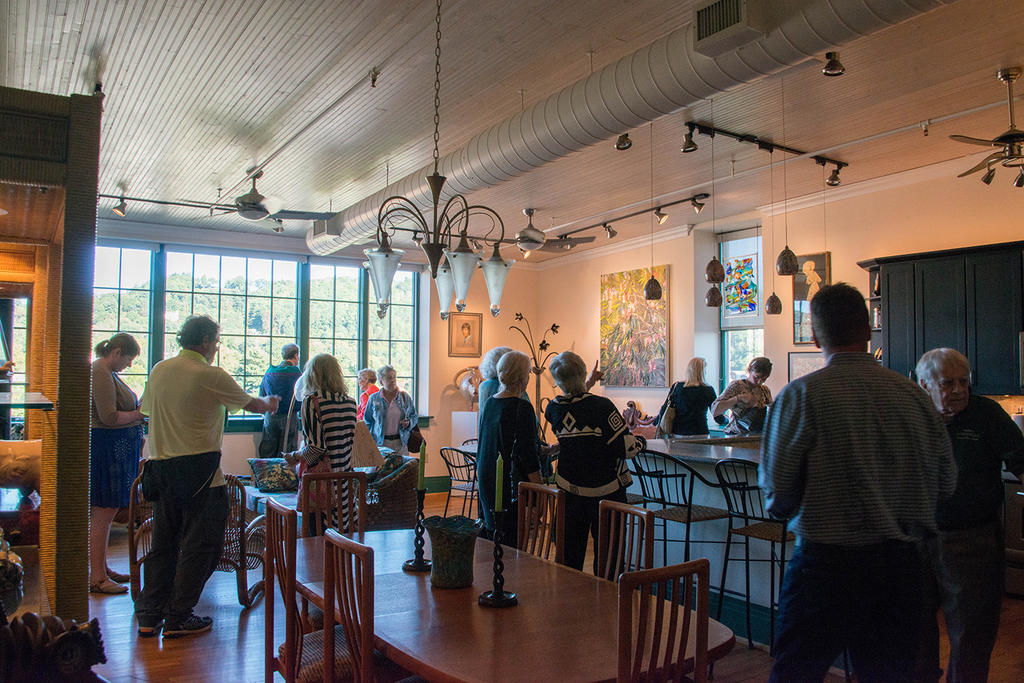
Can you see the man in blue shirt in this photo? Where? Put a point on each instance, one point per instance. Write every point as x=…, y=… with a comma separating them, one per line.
x=280, y=381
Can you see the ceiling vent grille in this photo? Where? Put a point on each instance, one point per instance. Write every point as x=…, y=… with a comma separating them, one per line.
x=724, y=25
x=319, y=228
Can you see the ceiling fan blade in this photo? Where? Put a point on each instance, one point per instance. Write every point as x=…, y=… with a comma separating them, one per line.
x=972, y=141
x=272, y=205
x=287, y=215
x=994, y=156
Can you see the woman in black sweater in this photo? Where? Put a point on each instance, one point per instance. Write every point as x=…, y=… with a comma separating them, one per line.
x=691, y=399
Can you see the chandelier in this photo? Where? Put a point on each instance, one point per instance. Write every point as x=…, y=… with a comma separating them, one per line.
x=451, y=269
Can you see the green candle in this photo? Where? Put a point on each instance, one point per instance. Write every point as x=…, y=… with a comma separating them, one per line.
x=423, y=467
x=499, y=480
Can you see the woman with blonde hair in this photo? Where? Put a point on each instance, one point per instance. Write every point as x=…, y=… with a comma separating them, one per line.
x=328, y=413
x=691, y=400
x=116, y=445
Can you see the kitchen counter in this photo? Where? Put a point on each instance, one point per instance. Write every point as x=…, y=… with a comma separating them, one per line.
x=742, y=441
x=709, y=451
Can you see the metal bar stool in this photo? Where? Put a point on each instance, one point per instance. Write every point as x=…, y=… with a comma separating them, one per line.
x=461, y=468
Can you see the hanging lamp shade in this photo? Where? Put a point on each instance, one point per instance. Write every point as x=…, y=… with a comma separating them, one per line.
x=463, y=261
x=383, y=263
x=652, y=290
x=786, y=263
x=715, y=271
x=714, y=297
x=774, y=305
x=445, y=288
x=495, y=273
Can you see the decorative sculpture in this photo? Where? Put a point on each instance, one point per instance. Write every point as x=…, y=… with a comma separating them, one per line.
x=34, y=648
x=638, y=422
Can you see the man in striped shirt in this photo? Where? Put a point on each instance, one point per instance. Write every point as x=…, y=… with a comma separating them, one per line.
x=857, y=457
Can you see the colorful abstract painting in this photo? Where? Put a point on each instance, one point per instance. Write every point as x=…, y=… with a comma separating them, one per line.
x=739, y=290
x=634, y=331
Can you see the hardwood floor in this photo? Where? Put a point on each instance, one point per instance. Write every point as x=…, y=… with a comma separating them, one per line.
x=233, y=650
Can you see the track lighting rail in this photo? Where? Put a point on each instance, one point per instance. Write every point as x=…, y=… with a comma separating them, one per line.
x=764, y=145
x=699, y=197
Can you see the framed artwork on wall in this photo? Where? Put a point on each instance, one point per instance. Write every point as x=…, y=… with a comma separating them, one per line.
x=815, y=271
x=634, y=331
x=739, y=291
x=804, y=362
x=465, y=332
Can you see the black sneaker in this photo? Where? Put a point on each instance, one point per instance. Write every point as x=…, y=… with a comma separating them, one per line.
x=149, y=630
x=194, y=624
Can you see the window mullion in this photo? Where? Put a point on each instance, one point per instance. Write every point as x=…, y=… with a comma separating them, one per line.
x=364, y=324
x=157, y=305
x=302, y=311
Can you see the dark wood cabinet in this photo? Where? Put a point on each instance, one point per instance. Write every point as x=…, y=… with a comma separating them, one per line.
x=971, y=300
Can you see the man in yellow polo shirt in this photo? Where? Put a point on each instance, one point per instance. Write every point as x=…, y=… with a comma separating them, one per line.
x=185, y=399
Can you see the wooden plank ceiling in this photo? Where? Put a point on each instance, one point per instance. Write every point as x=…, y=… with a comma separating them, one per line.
x=197, y=91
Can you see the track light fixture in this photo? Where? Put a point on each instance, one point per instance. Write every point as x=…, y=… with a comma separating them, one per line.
x=688, y=144
x=1019, y=180
x=623, y=142
x=698, y=205
x=833, y=67
x=610, y=230
x=660, y=215
x=833, y=178
x=990, y=174
x=122, y=207
x=280, y=225
x=695, y=200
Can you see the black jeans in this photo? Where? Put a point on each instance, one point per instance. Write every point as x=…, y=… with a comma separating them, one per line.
x=272, y=443
x=188, y=535
x=581, y=517
x=863, y=598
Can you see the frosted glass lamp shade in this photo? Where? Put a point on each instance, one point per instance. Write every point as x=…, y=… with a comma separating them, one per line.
x=383, y=263
x=495, y=273
x=445, y=286
x=462, y=264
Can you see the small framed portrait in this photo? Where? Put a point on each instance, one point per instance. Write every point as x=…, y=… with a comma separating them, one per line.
x=464, y=335
x=814, y=272
x=804, y=363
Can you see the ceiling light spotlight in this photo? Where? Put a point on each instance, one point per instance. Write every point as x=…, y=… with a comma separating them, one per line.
x=280, y=225
x=833, y=179
x=833, y=67
x=121, y=208
x=623, y=142
x=660, y=215
x=688, y=144
x=1019, y=180
x=698, y=205
x=990, y=174
x=608, y=229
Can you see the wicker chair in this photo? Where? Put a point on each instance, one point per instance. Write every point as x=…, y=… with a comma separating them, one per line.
x=244, y=540
x=391, y=502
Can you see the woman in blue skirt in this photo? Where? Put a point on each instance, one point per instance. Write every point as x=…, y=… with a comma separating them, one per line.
x=116, y=448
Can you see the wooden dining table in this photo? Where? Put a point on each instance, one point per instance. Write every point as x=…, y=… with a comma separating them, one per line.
x=564, y=627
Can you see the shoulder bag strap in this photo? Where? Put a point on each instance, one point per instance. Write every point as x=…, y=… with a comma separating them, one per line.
x=288, y=421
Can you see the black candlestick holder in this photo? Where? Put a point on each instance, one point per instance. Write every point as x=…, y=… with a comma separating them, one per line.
x=417, y=563
x=497, y=596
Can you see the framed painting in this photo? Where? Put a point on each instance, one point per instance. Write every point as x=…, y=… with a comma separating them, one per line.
x=814, y=272
x=634, y=331
x=465, y=335
x=739, y=291
x=804, y=362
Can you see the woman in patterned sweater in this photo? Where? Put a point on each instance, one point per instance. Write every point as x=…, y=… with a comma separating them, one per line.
x=328, y=414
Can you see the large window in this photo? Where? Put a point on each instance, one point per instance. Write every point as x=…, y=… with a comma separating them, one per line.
x=254, y=300
x=334, y=315
x=122, y=288
x=392, y=338
x=742, y=321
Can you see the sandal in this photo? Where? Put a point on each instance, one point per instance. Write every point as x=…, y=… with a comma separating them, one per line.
x=118, y=577
x=108, y=587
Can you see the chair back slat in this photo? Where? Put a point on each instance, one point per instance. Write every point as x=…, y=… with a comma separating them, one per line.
x=348, y=511
x=348, y=586
x=738, y=479
x=541, y=530
x=656, y=616
x=279, y=562
x=461, y=466
x=625, y=539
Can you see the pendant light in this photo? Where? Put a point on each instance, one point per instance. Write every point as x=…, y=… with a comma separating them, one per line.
x=382, y=263
x=652, y=288
x=463, y=261
x=445, y=285
x=714, y=272
x=773, y=306
x=786, y=263
x=495, y=273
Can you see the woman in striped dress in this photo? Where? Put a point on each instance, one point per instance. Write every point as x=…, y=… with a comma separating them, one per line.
x=328, y=415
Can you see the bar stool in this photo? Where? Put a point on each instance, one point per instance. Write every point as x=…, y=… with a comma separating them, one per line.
x=749, y=519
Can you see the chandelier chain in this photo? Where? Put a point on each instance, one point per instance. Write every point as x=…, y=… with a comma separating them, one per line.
x=437, y=82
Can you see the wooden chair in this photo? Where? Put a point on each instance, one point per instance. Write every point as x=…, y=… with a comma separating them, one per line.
x=349, y=511
x=668, y=483
x=243, y=540
x=625, y=539
x=541, y=530
x=653, y=645
x=462, y=472
x=749, y=519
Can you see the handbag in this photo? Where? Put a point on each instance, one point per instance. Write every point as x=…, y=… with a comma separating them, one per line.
x=416, y=440
x=313, y=459
x=668, y=418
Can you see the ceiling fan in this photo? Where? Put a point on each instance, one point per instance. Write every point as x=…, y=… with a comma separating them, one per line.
x=1010, y=152
x=531, y=239
x=254, y=206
